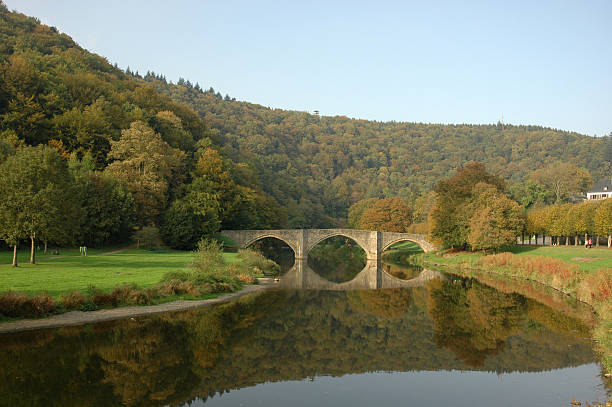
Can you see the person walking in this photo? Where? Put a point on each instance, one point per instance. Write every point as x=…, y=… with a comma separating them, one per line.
x=590, y=242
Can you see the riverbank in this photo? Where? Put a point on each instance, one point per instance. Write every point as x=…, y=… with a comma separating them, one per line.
x=86, y=317
x=133, y=277
x=550, y=268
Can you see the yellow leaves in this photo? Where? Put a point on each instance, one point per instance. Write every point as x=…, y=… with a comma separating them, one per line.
x=147, y=165
x=387, y=215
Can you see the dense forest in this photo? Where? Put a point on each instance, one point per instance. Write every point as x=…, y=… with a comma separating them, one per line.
x=317, y=167
x=190, y=161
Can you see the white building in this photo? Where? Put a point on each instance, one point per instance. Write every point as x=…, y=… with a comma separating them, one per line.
x=602, y=190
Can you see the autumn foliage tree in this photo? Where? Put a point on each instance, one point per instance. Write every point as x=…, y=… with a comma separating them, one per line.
x=387, y=215
x=356, y=211
x=497, y=221
x=147, y=165
x=457, y=200
x=603, y=220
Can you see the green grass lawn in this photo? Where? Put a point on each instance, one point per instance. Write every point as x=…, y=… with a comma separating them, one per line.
x=23, y=253
x=587, y=259
x=73, y=272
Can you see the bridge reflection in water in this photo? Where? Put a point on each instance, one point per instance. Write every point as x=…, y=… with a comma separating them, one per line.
x=372, y=276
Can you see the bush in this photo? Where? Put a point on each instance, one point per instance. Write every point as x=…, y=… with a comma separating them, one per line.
x=18, y=305
x=208, y=258
x=105, y=299
x=257, y=264
x=175, y=275
x=73, y=300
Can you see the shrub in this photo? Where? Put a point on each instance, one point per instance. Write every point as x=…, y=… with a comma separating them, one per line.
x=73, y=300
x=18, y=305
x=256, y=265
x=175, y=275
x=105, y=299
x=208, y=258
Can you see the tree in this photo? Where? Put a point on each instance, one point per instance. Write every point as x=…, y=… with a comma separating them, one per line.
x=188, y=220
x=357, y=209
x=530, y=193
x=35, y=185
x=562, y=179
x=603, y=220
x=536, y=222
x=450, y=216
x=387, y=215
x=148, y=166
x=497, y=221
x=584, y=221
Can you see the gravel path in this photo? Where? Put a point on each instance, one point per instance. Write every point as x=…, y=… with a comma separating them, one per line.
x=80, y=317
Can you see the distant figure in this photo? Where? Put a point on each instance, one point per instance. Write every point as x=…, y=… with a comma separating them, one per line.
x=590, y=242
x=83, y=250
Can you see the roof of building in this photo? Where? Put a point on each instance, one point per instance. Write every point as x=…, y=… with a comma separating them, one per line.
x=604, y=186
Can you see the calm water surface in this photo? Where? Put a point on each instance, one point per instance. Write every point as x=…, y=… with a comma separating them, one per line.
x=446, y=342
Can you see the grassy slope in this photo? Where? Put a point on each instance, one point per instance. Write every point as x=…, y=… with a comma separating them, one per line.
x=73, y=272
x=587, y=259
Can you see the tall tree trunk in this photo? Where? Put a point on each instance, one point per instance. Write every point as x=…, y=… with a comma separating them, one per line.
x=567, y=239
x=45, y=252
x=575, y=240
x=32, y=251
x=15, y=255
x=597, y=241
x=609, y=241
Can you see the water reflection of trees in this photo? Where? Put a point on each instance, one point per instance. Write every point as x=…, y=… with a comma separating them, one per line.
x=473, y=320
x=283, y=335
x=337, y=259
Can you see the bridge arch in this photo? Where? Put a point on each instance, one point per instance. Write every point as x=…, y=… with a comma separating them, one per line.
x=366, y=239
x=271, y=236
x=313, y=243
x=402, y=239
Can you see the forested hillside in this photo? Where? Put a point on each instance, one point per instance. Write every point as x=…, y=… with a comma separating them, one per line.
x=192, y=157
x=130, y=156
x=316, y=165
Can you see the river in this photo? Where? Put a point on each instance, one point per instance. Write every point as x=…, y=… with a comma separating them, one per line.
x=444, y=342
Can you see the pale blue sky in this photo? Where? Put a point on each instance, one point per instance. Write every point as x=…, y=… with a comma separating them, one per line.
x=538, y=62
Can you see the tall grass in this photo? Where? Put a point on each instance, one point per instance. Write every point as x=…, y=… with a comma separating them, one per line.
x=551, y=271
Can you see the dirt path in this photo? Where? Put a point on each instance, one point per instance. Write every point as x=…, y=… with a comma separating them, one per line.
x=79, y=317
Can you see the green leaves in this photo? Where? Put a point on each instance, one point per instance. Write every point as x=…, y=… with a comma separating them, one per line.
x=471, y=208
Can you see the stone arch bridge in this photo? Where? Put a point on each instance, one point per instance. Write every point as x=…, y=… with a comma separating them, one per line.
x=303, y=240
